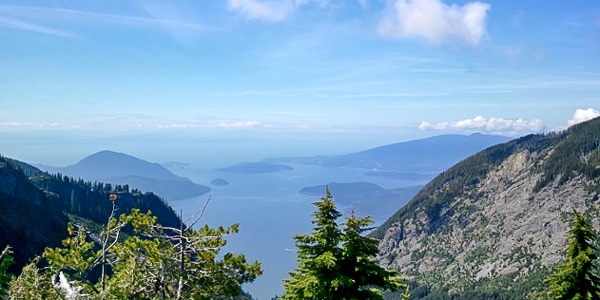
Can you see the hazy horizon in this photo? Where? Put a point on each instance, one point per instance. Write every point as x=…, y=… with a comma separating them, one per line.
x=62, y=148
x=65, y=149
x=61, y=151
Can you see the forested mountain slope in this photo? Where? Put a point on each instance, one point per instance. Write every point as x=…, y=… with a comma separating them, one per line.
x=35, y=207
x=492, y=225
x=29, y=220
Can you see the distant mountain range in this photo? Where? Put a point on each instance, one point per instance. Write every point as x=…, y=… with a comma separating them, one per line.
x=429, y=155
x=494, y=225
x=119, y=168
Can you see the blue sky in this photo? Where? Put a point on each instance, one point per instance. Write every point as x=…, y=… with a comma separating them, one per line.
x=359, y=73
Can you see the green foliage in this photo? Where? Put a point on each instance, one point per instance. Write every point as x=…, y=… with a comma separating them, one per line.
x=577, y=153
x=577, y=277
x=177, y=263
x=33, y=205
x=158, y=262
x=103, y=263
x=89, y=199
x=6, y=260
x=34, y=284
x=337, y=263
x=503, y=287
x=318, y=274
x=77, y=256
x=358, y=265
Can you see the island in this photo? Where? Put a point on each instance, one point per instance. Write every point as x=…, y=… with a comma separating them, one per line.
x=219, y=182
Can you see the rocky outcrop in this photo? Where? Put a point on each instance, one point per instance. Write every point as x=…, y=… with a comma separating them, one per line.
x=504, y=211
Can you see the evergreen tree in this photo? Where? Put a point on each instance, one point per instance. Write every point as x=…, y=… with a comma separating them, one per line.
x=367, y=277
x=318, y=275
x=335, y=263
x=577, y=277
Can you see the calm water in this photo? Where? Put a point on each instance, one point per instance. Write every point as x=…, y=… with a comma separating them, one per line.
x=270, y=212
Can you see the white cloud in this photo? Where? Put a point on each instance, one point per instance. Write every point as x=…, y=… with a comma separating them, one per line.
x=33, y=125
x=492, y=125
x=238, y=125
x=435, y=21
x=177, y=126
x=274, y=10
x=582, y=115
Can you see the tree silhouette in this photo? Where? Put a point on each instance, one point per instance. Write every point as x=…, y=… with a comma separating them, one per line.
x=337, y=263
x=577, y=277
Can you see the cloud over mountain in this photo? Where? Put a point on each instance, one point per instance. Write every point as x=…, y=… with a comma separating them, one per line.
x=492, y=125
x=435, y=21
x=582, y=115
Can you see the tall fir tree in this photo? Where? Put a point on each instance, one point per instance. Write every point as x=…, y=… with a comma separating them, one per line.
x=577, y=277
x=367, y=277
x=318, y=275
x=337, y=263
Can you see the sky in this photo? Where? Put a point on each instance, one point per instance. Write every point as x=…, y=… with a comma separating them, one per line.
x=268, y=77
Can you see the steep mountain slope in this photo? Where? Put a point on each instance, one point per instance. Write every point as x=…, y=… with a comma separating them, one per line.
x=35, y=206
x=120, y=168
x=29, y=221
x=501, y=213
x=432, y=154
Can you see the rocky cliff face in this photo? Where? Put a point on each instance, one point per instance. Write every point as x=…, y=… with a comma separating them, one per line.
x=504, y=211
